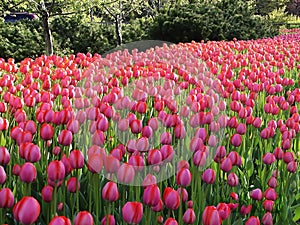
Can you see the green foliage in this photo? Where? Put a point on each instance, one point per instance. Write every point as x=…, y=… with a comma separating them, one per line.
x=20, y=40
x=226, y=19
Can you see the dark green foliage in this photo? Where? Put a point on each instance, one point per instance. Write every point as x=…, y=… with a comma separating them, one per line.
x=225, y=19
x=21, y=39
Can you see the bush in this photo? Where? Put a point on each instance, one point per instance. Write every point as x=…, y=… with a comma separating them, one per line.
x=221, y=20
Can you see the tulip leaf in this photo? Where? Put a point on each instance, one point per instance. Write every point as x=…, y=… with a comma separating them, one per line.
x=297, y=214
x=249, y=167
x=3, y=140
x=238, y=222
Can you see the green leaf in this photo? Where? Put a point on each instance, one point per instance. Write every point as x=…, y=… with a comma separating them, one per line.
x=297, y=214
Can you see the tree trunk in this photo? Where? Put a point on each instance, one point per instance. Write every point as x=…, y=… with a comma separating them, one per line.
x=118, y=24
x=47, y=33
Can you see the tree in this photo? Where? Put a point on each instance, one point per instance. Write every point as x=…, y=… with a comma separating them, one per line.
x=44, y=10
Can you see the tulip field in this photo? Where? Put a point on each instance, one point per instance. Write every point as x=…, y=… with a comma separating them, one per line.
x=188, y=133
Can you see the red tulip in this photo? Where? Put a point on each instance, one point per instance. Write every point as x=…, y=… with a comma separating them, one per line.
x=21, y=212
x=209, y=176
x=28, y=172
x=151, y=195
x=136, y=126
x=253, y=220
x=84, y=218
x=171, y=198
x=170, y=221
x=6, y=198
x=132, y=212
x=110, y=192
x=60, y=220
x=211, y=216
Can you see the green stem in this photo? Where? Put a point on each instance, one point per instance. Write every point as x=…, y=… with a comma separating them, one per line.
x=77, y=192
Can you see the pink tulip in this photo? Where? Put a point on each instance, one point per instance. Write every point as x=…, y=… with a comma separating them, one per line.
x=253, y=220
x=111, y=164
x=171, y=198
x=189, y=216
x=232, y=180
x=95, y=163
x=6, y=198
x=60, y=220
x=21, y=212
x=226, y=164
x=65, y=137
x=170, y=221
x=268, y=205
x=56, y=171
x=28, y=172
x=132, y=212
x=211, y=216
x=236, y=140
x=4, y=156
x=73, y=184
x=267, y=219
x=256, y=194
x=292, y=167
x=47, y=193
x=245, y=209
x=126, y=173
x=183, y=177
x=223, y=210
x=110, y=218
x=84, y=217
x=2, y=175
x=209, y=176
x=149, y=180
x=46, y=132
x=151, y=195
x=76, y=159
x=110, y=192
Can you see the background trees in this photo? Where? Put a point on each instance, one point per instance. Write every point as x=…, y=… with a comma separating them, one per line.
x=72, y=26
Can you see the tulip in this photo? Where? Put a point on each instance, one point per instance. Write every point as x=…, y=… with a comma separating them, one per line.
x=28, y=172
x=170, y=221
x=110, y=192
x=151, y=195
x=98, y=138
x=95, y=163
x=4, y=156
x=47, y=193
x=223, y=210
x=65, y=137
x=288, y=157
x=171, y=198
x=270, y=194
x=84, y=218
x=245, y=209
x=76, y=159
x=189, y=216
x=234, y=196
x=226, y=164
x=236, y=140
x=211, y=216
x=60, y=220
x=111, y=164
x=292, y=167
x=253, y=220
x=132, y=212
x=183, y=194
x=267, y=219
x=73, y=184
x=268, y=205
x=209, y=176
x=183, y=177
x=2, y=175
x=126, y=173
x=110, y=218
x=256, y=194
x=21, y=212
x=199, y=158
x=46, y=132
x=56, y=171
x=149, y=180
x=6, y=198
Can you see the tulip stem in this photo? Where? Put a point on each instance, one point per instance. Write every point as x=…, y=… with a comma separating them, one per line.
x=77, y=192
x=107, y=213
x=1, y=216
x=148, y=219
